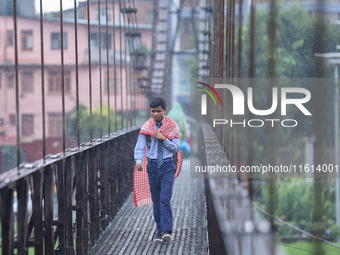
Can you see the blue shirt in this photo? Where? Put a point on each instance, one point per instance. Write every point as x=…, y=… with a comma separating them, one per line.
x=170, y=147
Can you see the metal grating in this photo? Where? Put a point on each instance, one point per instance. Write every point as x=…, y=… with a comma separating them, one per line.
x=132, y=230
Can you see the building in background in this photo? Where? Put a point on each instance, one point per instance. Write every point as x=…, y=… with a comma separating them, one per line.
x=121, y=90
x=25, y=8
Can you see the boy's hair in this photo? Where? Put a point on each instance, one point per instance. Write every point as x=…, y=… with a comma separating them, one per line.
x=158, y=101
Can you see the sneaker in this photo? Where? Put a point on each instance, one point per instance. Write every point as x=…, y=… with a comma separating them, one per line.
x=166, y=236
x=158, y=237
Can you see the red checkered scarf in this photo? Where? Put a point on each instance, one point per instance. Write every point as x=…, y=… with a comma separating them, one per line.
x=141, y=187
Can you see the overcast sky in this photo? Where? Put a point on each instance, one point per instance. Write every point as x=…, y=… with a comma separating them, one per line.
x=54, y=5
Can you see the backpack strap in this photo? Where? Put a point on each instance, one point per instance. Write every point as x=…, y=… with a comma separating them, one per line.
x=175, y=158
x=148, y=140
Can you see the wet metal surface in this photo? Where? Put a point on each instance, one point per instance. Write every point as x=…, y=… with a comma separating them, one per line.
x=234, y=228
x=100, y=182
x=132, y=230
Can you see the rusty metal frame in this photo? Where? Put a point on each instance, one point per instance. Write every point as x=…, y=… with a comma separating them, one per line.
x=93, y=174
x=89, y=179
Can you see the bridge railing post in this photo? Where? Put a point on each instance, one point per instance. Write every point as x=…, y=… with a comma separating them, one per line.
x=84, y=178
x=79, y=202
x=60, y=177
x=38, y=214
x=92, y=183
x=48, y=186
x=68, y=204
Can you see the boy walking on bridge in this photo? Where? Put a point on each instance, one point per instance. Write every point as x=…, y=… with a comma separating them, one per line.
x=158, y=140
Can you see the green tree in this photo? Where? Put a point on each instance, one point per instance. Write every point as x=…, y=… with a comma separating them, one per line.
x=84, y=122
x=295, y=203
x=295, y=59
x=295, y=43
x=295, y=200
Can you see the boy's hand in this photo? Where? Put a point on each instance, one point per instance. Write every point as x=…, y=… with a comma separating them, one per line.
x=159, y=136
x=140, y=166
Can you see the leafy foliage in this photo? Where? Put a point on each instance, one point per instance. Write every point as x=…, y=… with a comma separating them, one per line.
x=295, y=43
x=85, y=120
x=295, y=203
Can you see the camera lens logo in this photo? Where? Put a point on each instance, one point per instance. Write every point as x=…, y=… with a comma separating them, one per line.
x=204, y=97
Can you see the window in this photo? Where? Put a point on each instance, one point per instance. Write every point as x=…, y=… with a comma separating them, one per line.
x=12, y=119
x=0, y=80
x=1, y=122
x=94, y=40
x=148, y=17
x=26, y=40
x=186, y=35
x=122, y=18
x=103, y=40
x=55, y=124
x=103, y=15
x=56, y=41
x=27, y=127
x=131, y=86
x=55, y=84
x=27, y=82
x=10, y=80
x=9, y=38
x=112, y=86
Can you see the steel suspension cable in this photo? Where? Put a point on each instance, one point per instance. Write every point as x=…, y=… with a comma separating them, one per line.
x=107, y=70
x=126, y=62
x=42, y=79
x=114, y=62
x=100, y=72
x=77, y=68
x=62, y=74
x=128, y=12
x=90, y=69
x=132, y=65
x=138, y=46
x=251, y=75
x=16, y=82
x=239, y=72
x=121, y=63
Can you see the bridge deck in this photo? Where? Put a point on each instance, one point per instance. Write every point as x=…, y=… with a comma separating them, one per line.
x=132, y=230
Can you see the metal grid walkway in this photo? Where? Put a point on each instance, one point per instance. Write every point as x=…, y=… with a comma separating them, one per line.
x=132, y=230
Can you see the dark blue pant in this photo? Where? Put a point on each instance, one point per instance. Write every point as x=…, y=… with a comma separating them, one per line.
x=161, y=181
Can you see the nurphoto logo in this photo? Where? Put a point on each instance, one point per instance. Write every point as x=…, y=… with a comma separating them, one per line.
x=238, y=99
